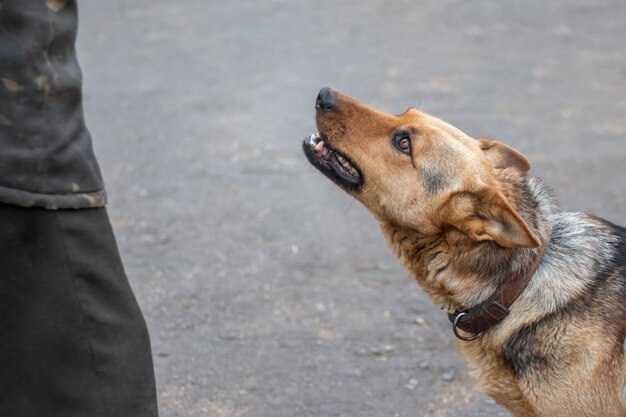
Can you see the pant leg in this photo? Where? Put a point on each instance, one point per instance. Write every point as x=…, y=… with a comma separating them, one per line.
x=73, y=342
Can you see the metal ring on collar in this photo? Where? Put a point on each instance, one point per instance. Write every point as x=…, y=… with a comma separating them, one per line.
x=456, y=331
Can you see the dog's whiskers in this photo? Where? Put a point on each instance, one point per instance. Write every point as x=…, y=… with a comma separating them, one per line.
x=350, y=206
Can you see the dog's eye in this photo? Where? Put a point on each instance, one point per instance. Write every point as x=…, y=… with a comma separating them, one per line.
x=403, y=143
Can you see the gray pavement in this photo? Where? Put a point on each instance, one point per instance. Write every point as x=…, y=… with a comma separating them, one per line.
x=268, y=291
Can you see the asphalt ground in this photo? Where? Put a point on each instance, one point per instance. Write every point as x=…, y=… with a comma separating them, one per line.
x=267, y=290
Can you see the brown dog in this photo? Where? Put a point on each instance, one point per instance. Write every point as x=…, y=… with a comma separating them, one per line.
x=537, y=296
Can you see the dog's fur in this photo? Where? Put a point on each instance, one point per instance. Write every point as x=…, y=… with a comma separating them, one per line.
x=463, y=216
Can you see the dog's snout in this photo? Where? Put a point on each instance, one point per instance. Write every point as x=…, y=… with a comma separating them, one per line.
x=326, y=100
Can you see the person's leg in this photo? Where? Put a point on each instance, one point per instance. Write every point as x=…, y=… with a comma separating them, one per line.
x=73, y=341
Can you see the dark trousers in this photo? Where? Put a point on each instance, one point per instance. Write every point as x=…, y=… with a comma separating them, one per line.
x=73, y=342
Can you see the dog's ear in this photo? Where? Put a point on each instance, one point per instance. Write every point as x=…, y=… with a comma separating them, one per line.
x=503, y=156
x=490, y=216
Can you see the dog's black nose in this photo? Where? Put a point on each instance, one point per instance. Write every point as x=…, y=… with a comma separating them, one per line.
x=326, y=99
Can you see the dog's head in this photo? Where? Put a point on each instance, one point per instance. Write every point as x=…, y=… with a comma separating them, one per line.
x=416, y=171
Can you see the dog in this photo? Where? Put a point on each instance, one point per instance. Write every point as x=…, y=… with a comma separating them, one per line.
x=537, y=296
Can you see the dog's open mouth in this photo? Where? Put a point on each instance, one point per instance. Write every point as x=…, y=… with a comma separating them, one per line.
x=331, y=163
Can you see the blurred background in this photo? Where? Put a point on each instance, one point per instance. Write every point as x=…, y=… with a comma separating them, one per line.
x=267, y=290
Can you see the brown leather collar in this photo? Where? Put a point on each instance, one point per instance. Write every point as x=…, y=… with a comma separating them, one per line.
x=477, y=319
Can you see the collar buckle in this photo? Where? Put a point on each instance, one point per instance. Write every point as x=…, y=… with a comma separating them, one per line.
x=459, y=335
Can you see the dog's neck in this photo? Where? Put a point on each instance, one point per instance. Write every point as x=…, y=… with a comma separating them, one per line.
x=460, y=273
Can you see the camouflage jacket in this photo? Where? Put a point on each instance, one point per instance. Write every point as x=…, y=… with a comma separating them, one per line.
x=46, y=156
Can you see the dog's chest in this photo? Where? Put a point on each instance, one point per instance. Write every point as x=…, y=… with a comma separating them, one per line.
x=494, y=375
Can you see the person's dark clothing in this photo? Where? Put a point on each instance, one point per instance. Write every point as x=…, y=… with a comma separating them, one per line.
x=46, y=156
x=73, y=342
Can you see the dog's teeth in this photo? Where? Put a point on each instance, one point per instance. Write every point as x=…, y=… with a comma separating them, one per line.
x=319, y=146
